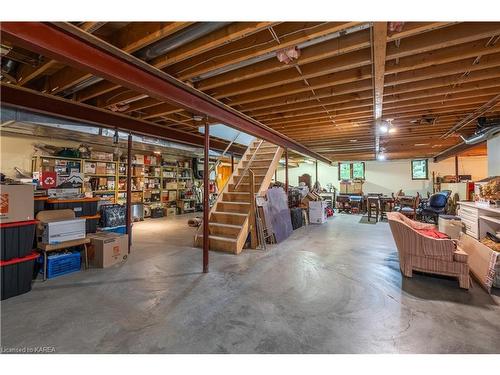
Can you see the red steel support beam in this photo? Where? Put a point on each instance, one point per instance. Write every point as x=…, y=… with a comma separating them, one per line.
x=206, y=206
x=68, y=44
x=20, y=97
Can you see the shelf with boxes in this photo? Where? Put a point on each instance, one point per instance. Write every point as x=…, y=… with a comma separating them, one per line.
x=156, y=182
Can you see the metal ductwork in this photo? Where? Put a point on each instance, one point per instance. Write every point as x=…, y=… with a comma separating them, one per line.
x=178, y=39
x=270, y=55
x=482, y=135
x=82, y=85
x=159, y=48
x=9, y=68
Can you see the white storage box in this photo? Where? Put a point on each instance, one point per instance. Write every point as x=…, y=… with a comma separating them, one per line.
x=317, y=214
x=451, y=225
x=55, y=232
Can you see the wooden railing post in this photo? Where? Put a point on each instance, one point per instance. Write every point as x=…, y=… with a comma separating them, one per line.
x=252, y=223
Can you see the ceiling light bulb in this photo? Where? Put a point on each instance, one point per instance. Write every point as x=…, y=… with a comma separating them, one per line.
x=380, y=157
x=392, y=130
x=383, y=128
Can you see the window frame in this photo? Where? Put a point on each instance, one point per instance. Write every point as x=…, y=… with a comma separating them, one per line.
x=426, y=170
x=351, y=170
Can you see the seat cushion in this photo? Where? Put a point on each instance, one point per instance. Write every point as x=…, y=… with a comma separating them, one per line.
x=434, y=233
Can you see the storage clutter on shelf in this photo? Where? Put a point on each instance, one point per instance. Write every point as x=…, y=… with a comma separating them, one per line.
x=163, y=183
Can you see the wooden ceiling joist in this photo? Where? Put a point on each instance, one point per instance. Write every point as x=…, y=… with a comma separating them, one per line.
x=85, y=52
x=432, y=76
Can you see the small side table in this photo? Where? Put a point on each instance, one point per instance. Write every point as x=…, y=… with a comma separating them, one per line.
x=47, y=248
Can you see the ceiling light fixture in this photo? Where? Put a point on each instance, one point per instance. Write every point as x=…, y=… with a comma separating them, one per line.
x=381, y=156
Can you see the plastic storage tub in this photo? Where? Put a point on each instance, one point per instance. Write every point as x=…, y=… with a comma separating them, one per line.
x=16, y=275
x=451, y=225
x=91, y=223
x=17, y=239
x=81, y=207
x=122, y=229
x=59, y=264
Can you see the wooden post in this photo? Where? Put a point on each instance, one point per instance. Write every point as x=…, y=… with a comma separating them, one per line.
x=276, y=175
x=129, y=191
x=232, y=163
x=456, y=168
x=206, y=206
x=316, y=171
x=286, y=170
x=253, y=226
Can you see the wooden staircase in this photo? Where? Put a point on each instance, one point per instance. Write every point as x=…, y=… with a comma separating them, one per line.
x=231, y=217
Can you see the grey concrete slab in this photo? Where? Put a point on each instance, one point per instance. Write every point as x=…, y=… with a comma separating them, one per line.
x=332, y=288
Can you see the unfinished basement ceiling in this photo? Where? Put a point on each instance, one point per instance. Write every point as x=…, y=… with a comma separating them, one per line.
x=433, y=75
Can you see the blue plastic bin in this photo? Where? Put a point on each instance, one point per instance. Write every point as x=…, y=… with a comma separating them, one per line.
x=62, y=264
x=120, y=229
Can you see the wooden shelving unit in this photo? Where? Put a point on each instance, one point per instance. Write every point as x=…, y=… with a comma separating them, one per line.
x=154, y=184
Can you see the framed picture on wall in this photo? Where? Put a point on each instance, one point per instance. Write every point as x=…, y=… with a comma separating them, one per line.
x=419, y=169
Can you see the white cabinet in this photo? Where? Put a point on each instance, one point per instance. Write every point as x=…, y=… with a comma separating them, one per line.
x=478, y=219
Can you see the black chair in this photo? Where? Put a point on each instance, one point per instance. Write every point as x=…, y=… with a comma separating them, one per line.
x=435, y=206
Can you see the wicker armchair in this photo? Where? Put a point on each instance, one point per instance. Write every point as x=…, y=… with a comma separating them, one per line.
x=420, y=252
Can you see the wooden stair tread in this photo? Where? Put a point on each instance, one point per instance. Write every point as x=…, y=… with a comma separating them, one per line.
x=226, y=225
x=230, y=213
x=230, y=202
x=219, y=238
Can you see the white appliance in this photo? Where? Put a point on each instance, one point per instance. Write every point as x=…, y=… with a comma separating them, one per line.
x=55, y=232
x=317, y=214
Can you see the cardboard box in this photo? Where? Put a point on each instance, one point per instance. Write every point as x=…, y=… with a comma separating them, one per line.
x=172, y=195
x=100, y=168
x=137, y=171
x=136, y=197
x=55, y=232
x=138, y=159
x=98, y=155
x=16, y=203
x=90, y=167
x=170, y=211
x=171, y=186
x=108, y=249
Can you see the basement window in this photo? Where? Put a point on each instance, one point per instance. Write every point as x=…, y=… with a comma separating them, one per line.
x=420, y=169
x=352, y=171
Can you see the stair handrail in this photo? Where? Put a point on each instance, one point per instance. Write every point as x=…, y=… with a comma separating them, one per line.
x=248, y=165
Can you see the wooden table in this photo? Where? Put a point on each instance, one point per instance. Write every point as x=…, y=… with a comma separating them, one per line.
x=46, y=248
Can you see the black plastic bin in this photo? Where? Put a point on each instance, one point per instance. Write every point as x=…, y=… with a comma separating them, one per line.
x=81, y=207
x=91, y=224
x=17, y=239
x=39, y=205
x=156, y=213
x=16, y=275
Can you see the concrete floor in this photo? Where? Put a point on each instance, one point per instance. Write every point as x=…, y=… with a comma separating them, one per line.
x=334, y=288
